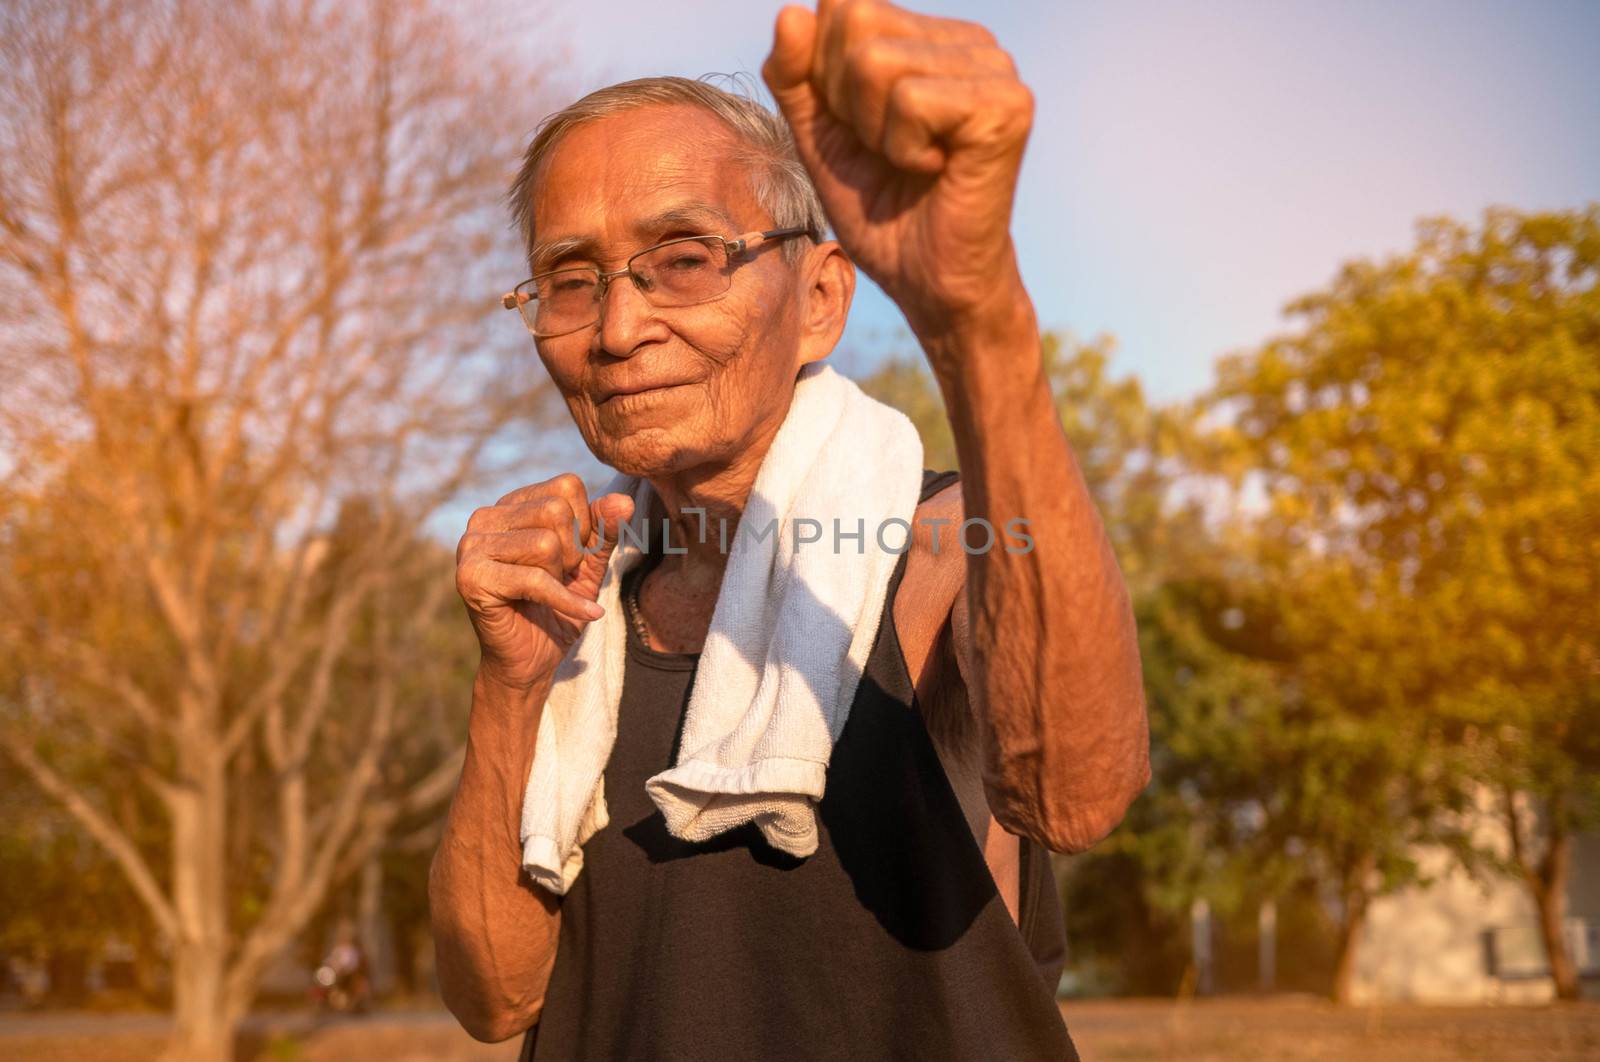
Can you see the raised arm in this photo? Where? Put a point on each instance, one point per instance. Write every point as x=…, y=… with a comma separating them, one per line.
x=913, y=129
x=1045, y=639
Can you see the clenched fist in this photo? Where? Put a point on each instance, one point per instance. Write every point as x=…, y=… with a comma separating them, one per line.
x=529, y=570
x=913, y=130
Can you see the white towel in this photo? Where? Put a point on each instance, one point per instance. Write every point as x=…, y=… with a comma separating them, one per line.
x=793, y=625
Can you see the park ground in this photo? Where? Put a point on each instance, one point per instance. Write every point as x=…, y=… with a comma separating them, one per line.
x=1106, y=1031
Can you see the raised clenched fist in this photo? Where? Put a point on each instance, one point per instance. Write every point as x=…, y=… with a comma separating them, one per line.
x=913, y=130
x=529, y=570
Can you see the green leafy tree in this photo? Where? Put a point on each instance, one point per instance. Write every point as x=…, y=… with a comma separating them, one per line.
x=1428, y=442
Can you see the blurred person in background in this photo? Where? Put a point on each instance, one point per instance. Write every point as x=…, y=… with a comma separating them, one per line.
x=344, y=980
x=1000, y=715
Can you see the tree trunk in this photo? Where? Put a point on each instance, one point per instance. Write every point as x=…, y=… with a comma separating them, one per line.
x=1201, y=947
x=370, y=925
x=1549, y=888
x=203, y=1021
x=202, y=1029
x=1356, y=897
x=1267, y=947
x=1344, y=967
x=1547, y=881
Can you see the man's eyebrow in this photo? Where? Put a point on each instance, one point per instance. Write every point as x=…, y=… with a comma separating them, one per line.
x=699, y=218
x=554, y=250
x=694, y=216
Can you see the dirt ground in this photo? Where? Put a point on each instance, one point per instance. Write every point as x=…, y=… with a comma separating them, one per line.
x=1109, y=1031
x=1248, y=1030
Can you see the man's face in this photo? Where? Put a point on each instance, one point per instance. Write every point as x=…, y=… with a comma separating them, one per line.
x=658, y=390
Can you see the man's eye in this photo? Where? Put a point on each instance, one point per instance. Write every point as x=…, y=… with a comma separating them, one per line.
x=568, y=285
x=687, y=260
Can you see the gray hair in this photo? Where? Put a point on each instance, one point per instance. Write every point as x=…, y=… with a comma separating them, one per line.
x=781, y=184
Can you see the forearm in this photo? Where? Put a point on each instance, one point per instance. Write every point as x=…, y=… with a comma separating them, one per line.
x=1055, y=663
x=494, y=932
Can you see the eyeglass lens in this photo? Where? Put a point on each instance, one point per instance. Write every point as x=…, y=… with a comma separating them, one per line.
x=678, y=273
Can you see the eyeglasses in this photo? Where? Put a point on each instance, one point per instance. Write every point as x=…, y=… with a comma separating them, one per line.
x=681, y=272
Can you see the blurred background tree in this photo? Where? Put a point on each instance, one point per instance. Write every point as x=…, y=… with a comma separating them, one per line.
x=248, y=256
x=1430, y=436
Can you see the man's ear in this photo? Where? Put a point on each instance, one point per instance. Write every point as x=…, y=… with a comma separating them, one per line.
x=827, y=284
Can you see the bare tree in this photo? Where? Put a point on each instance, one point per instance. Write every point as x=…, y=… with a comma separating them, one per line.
x=248, y=255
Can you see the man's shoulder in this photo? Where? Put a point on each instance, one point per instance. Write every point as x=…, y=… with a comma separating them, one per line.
x=935, y=573
x=930, y=617
x=937, y=522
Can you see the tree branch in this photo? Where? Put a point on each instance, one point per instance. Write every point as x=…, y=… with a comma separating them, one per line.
x=114, y=841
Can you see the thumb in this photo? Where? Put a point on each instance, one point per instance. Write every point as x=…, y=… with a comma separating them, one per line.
x=787, y=70
x=608, y=512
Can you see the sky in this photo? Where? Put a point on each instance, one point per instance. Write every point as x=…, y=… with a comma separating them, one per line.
x=1193, y=167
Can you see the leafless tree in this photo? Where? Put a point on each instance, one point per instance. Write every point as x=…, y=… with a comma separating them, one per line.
x=248, y=260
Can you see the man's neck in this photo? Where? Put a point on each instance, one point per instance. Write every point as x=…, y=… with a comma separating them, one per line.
x=684, y=528
x=702, y=507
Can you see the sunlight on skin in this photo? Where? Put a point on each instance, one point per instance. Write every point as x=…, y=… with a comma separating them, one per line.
x=719, y=364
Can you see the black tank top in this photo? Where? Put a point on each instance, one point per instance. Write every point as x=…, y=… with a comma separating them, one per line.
x=890, y=942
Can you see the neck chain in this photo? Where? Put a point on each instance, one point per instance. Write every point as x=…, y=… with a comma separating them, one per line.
x=636, y=611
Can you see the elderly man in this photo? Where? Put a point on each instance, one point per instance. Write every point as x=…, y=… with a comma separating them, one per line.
x=682, y=286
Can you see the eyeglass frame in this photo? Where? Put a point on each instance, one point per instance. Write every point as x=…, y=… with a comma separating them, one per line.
x=514, y=300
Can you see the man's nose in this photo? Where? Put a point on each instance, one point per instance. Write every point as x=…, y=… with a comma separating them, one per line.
x=627, y=320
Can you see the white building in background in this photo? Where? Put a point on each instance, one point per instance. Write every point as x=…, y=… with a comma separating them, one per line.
x=1466, y=940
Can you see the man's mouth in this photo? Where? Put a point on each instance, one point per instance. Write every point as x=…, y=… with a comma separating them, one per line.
x=640, y=392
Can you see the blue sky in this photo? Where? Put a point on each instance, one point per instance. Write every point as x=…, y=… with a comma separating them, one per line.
x=1194, y=166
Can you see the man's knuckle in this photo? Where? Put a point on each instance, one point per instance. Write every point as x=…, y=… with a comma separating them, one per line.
x=996, y=60
x=537, y=585
x=1020, y=102
x=544, y=543
x=871, y=58
x=568, y=485
x=470, y=580
x=908, y=95
x=551, y=509
x=857, y=17
x=975, y=32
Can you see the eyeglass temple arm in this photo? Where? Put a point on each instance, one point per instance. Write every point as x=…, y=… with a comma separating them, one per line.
x=751, y=240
